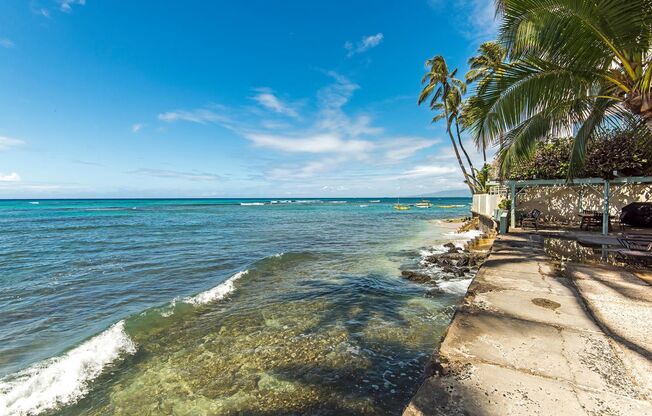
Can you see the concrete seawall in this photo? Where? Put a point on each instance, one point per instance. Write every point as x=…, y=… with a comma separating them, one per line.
x=532, y=340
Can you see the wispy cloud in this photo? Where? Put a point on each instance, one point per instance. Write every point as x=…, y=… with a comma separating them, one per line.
x=7, y=143
x=270, y=101
x=6, y=43
x=328, y=141
x=475, y=19
x=10, y=177
x=481, y=19
x=173, y=174
x=137, y=127
x=364, y=44
x=307, y=170
x=404, y=147
x=66, y=5
x=428, y=170
x=318, y=143
x=86, y=162
x=200, y=115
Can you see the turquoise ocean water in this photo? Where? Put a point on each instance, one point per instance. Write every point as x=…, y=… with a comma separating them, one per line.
x=252, y=307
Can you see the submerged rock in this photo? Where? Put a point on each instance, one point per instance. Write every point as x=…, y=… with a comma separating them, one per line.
x=417, y=277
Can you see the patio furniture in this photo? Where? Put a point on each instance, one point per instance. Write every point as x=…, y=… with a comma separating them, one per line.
x=636, y=214
x=636, y=244
x=531, y=219
x=635, y=250
x=590, y=219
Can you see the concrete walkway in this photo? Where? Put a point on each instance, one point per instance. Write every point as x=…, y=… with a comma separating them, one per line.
x=532, y=340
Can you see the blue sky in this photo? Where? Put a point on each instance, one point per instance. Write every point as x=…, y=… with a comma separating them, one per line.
x=226, y=99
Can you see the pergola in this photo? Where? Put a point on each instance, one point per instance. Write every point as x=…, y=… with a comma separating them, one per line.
x=518, y=186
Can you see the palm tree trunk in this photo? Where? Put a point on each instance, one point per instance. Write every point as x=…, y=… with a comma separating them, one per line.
x=459, y=139
x=457, y=152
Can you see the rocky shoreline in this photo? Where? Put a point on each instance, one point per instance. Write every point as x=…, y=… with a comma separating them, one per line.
x=452, y=262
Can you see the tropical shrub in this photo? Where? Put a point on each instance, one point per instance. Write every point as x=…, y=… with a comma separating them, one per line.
x=624, y=151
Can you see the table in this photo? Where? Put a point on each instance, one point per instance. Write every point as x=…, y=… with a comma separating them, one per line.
x=589, y=219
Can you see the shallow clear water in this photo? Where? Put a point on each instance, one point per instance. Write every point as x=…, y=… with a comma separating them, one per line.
x=212, y=307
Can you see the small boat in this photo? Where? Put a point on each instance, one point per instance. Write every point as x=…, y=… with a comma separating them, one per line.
x=400, y=207
x=424, y=203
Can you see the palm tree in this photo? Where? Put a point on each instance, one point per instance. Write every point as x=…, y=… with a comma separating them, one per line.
x=446, y=93
x=483, y=67
x=579, y=66
x=491, y=56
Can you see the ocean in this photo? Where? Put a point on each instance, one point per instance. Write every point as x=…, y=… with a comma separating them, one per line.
x=216, y=306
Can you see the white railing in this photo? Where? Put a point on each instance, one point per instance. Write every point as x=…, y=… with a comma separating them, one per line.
x=498, y=190
x=485, y=204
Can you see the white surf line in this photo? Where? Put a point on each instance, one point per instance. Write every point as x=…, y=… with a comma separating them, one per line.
x=216, y=293
x=63, y=380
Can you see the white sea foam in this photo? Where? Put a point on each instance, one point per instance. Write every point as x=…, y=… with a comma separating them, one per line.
x=467, y=235
x=216, y=293
x=34, y=202
x=63, y=380
x=456, y=287
x=252, y=204
x=436, y=249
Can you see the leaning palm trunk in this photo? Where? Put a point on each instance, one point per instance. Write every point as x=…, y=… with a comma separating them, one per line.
x=467, y=177
x=457, y=152
x=459, y=139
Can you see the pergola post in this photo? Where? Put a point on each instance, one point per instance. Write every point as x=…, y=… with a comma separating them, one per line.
x=605, y=212
x=513, y=210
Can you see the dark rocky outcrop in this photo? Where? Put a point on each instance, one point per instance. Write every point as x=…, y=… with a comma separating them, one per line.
x=417, y=277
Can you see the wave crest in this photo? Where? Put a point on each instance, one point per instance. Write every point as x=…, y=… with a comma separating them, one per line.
x=65, y=379
x=216, y=293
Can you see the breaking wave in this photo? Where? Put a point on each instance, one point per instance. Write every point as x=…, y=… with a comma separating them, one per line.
x=216, y=293
x=65, y=379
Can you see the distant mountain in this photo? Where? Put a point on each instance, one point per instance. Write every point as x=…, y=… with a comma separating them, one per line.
x=450, y=193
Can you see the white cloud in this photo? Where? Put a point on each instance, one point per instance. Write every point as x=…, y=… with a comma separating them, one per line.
x=137, y=127
x=201, y=116
x=327, y=144
x=475, y=19
x=6, y=43
x=7, y=143
x=267, y=99
x=66, y=5
x=363, y=44
x=332, y=99
x=307, y=170
x=405, y=147
x=319, y=143
x=428, y=170
x=10, y=177
x=173, y=174
x=481, y=18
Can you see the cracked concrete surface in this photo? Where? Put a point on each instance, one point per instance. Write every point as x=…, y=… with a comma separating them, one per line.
x=532, y=340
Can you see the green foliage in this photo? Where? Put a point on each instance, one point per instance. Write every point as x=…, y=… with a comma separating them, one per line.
x=626, y=151
x=482, y=178
x=505, y=204
x=582, y=66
